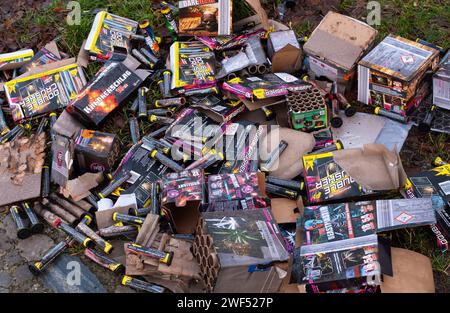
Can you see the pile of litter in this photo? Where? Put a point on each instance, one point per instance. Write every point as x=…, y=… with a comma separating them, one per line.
x=249, y=170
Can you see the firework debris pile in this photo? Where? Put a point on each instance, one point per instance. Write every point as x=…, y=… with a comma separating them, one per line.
x=237, y=174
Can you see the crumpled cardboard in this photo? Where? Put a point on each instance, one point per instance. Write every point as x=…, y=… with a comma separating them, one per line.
x=299, y=144
x=373, y=166
x=286, y=210
x=21, y=164
x=79, y=188
x=412, y=271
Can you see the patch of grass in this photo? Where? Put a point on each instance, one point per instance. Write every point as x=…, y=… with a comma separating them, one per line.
x=303, y=29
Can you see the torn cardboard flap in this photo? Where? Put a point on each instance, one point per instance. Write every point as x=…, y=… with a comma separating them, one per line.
x=184, y=263
x=373, y=166
x=66, y=125
x=285, y=210
x=79, y=188
x=412, y=273
x=299, y=144
x=340, y=39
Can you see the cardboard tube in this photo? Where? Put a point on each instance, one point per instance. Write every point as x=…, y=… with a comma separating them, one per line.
x=58, y=210
x=48, y=216
x=213, y=260
x=71, y=208
x=252, y=69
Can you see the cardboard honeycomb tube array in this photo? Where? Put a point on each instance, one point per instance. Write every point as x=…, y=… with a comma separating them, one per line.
x=305, y=100
x=206, y=256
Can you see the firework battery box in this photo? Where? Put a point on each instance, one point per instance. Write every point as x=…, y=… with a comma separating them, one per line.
x=96, y=151
x=390, y=75
x=182, y=195
x=111, y=85
x=264, y=86
x=245, y=189
x=335, y=47
x=12, y=60
x=239, y=248
x=48, y=54
x=441, y=83
x=307, y=110
x=44, y=89
x=62, y=159
x=434, y=183
x=352, y=173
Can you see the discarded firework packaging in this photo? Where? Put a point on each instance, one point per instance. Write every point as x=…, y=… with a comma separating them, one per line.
x=212, y=18
x=128, y=219
x=441, y=83
x=247, y=189
x=21, y=165
x=434, y=183
x=162, y=256
x=150, y=38
x=264, y=86
x=220, y=110
x=36, y=225
x=62, y=160
x=356, y=236
x=53, y=87
x=83, y=227
x=352, y=173
x=96, y=151
x=307, y=110
x=23, y=231
x=284, y=50
x=104, y=216
x=323, y=138
x=236, y=251
x=193, y=67
x=335, y=47
x=69, y=207
x=156, y=154
x=13, y=60
x=4, y=129
x=118, y=230
x=79, y=188
x=111, y=85
x=107, y=31
x=49, y=256
x=299, y=144
x=48, y=54
x=393, y=73
x=182, y=194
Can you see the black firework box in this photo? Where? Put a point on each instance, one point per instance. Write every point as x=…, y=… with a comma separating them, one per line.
x=144, y=171
x=109, y=31
x=15, y=59
x=220, y=110
x=434, y=184
x=390, y=75
x=327, y=181
x=264, y=86
x=182, y=194
x=45, y=89
x=111, y=85
x=237, y=187
x=48, y=54
x=205, y=17
x=193, y=67
x=96, y=151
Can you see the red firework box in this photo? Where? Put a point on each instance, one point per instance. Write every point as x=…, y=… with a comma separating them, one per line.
x=112, y=84
x=246, y=189
x=182, y=195
x=96, y=151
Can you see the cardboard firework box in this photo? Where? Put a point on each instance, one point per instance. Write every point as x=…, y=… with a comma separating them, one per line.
x=435, y=184
x=44, y=91
x=391, y=75
x=335, y=47
x=236, y=251
x=441, y=83
x=96, y=151
x=182, y=194
x=15, y=59
x=109, y=31
x=111, y=85
x=205, y=17
x=327, y=181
